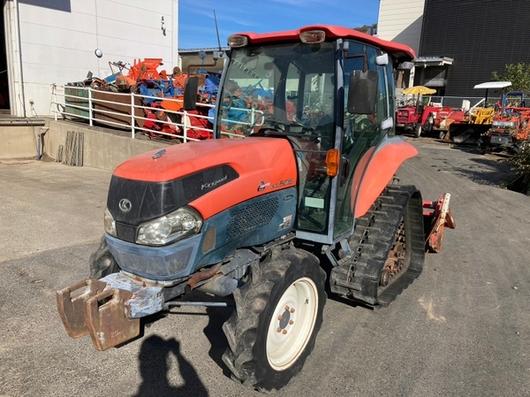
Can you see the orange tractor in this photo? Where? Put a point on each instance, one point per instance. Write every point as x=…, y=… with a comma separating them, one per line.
x=510, y=126
x=263, y=221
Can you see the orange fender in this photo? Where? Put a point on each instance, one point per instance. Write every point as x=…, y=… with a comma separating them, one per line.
x=375, y=170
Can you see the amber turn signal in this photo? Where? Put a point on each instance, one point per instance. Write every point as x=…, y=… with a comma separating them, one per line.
x=332, y=162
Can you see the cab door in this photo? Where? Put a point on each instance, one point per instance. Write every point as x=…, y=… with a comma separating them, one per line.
x=362, y=132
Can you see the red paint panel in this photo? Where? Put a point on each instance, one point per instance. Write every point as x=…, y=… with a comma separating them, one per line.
x=256, y=160
x=395, y=49
x=375, y=170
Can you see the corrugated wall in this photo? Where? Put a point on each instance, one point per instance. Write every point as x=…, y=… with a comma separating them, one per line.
x=400, y=21
x=481, y=35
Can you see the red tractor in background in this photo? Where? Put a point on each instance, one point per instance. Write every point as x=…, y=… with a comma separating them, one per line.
x=426, y=119
x=459, y=125
x=414, y=114
x=421, y=116
x=303, y=195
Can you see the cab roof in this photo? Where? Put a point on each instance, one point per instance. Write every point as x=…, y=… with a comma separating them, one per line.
x=400, y=51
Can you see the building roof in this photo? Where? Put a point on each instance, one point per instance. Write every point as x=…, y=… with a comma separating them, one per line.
x=433, y=61
x=196, y=50
x=493, y=84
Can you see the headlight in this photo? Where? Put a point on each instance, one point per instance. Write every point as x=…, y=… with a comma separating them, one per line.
x=172, y=227
x=108, y=221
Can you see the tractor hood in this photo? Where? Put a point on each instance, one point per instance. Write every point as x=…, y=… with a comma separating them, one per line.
x=210, y=176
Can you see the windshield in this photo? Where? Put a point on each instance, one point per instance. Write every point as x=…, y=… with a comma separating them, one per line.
x=285, y=89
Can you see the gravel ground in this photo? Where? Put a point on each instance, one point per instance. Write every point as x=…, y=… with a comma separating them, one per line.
x=461, y=329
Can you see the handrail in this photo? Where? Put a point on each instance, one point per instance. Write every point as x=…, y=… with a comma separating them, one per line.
x=127, y=112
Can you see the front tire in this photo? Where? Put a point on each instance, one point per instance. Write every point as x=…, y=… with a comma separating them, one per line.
x=101, y=262
x=278, y=315
x=417, y=130
x=482, y=146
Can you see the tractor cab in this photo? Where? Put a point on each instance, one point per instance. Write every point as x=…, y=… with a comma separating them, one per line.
x=330, y=97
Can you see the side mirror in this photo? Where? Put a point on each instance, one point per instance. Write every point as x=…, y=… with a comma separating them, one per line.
x=190, y=93
x=382, y=60
x=362, y=92
x=387, y=123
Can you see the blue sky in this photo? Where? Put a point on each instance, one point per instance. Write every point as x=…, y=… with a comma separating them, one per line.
x=197, y=25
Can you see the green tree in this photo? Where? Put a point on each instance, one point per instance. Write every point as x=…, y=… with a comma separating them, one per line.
x=520, y=165
x=367, y=28
x=518, y=74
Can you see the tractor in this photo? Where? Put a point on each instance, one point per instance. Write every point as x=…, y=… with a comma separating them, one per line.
x=295, y=198
x=470, y=126
x=415, y=114
x=510, y=126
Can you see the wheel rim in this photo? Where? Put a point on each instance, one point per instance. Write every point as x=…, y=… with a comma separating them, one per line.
x=292, y=324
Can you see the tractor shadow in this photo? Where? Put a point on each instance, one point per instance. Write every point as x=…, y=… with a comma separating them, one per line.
x=489, y=169
x=154, y=358
x=217, y=316
x=214, y=332
x=493, y=169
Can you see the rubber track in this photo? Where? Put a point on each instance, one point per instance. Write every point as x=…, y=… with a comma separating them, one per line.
x=371, y=243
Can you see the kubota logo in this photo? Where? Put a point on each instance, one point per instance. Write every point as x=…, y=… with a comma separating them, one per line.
x=125, y=205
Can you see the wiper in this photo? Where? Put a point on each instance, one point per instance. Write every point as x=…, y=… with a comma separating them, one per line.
x=296, y=130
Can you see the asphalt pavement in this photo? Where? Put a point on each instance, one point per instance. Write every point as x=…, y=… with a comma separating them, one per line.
x=461, y=329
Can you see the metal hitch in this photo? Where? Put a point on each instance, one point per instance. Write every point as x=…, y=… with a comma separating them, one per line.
x=100, y=312
x=441, y=217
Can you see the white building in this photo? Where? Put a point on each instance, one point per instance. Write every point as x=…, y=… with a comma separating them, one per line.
x=55, y=41
x=401, y=21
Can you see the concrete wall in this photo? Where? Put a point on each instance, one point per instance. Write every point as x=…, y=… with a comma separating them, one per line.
x=19, y=142
x=103, y=148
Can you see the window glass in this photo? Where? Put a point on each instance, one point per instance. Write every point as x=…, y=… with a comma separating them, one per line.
x=287, y=92
x=361, y=131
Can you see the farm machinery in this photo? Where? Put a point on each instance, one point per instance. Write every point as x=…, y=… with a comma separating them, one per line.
x=426, y=119
x=304, y=195
x=476, y=121
x=510, y=126
x=157, y=110
x=459, y=125
x=415, y=113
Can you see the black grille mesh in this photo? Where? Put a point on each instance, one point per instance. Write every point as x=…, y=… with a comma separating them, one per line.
x=251, y=217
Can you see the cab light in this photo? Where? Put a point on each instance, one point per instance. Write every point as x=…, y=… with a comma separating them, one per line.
x=313, y=36
x=237, y=41
x=332, y=162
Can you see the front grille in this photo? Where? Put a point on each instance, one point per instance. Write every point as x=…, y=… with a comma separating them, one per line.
x=251, y=217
